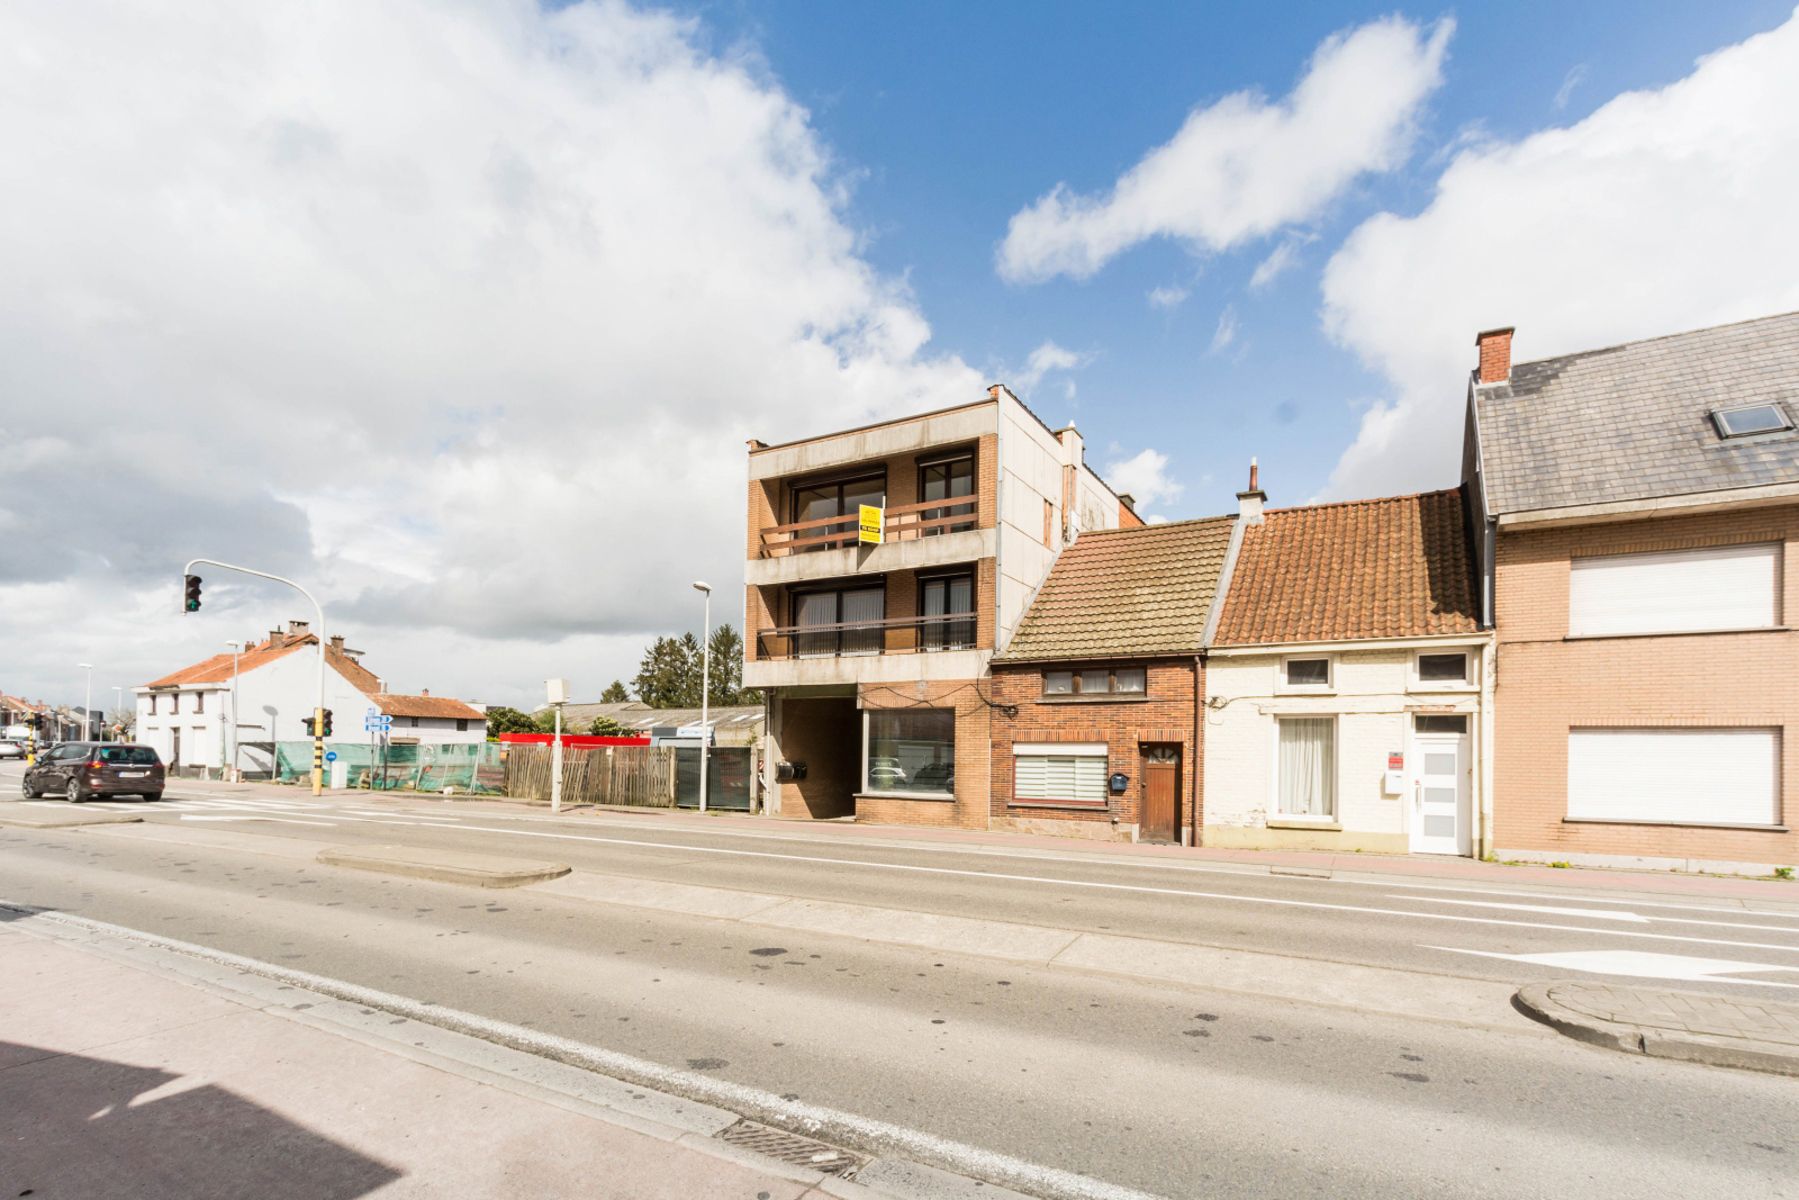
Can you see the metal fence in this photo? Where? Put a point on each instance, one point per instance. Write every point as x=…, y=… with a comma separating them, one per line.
x=728, y=777
x=478, y=767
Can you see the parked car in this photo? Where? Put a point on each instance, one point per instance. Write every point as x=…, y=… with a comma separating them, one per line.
x=11, y=749
x=885, y=773
x=80, y=771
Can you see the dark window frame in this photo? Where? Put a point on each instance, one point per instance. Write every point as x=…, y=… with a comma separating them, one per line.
x=951, y=635
x=955, y=504
x=835, y=636
x=1076, y=693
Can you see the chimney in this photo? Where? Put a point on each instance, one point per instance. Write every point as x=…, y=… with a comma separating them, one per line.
x=424, y=691
x=993, y=392
x=337, y=643
x=1249, y=502
x=1495, y=355
x=276, y=639
x=297, y=630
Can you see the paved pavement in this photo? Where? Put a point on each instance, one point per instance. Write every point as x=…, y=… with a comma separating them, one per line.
x=1757, y=1035
x=1175, y=1025
x=129, y=1071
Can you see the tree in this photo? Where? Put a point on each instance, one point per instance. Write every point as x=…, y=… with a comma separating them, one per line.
x=615, y=693
x=125, y=721
x=501, y=719
x=659, y=674
x=727, y=669
x=604, y=726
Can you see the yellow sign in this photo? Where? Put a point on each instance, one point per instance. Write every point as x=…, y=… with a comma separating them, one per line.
x=872, y=524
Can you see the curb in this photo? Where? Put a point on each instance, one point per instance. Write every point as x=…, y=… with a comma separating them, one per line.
x=444, y=866
x=1538, y=1002
x=73, y=818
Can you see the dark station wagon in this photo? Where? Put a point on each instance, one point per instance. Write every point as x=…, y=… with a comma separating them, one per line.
x=80, y=771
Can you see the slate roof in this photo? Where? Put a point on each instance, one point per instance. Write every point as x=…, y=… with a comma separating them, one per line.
x=1389, y=568
x=1126, y=593
x=1633, y=422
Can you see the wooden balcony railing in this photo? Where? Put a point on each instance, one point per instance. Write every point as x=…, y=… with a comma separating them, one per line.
x=853, y=639
x=904, y=522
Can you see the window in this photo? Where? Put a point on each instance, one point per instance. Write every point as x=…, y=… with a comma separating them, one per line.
x=946, y=596
x=1682, y=776
x=1305, y=784
x=910, y=751
x=1679, y=591
x=199, y=701
x=947, y=479
x=840, y=498
x=461, y=724
x=140, y=756
x=1435, y=723
x=840, y=622
x=1755, y=418
x=1308, y=673
x=412, y=722
x=1096, y=681
x=1059, y=773
x=153, y=704
x=1443, y=668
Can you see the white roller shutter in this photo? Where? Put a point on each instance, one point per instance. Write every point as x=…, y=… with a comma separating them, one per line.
x=1047, y=773
x=1679, y=591
x=1690, y=776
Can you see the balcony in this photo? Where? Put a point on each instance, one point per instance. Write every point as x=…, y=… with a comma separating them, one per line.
x=929, y=534
x=890, y=650
x=905, y=522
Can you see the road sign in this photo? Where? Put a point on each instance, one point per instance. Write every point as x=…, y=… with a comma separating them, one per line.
x=377, y=724
x=330, y=756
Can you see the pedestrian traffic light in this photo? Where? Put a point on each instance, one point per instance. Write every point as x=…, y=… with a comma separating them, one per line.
x=193, y=592
x=307, y=722
x=327, y=732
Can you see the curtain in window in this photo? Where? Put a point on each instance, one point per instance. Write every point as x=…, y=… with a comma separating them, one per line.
x=944, y=597
x=1307, y=766
x=863, y=606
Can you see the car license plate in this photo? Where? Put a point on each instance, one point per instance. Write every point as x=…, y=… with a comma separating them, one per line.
x=132, y=774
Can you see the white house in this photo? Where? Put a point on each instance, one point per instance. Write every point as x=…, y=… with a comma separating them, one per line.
x=272, y=687
x=1348, y=683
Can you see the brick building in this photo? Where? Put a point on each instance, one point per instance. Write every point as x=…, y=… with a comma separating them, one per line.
x=1348, y=682
x=874, y=656
x=1637, y=509
x=1094, y=724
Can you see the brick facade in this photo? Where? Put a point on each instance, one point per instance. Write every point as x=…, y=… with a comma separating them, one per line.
x=1548, y=684
x=969, y=808
x=1166, y=716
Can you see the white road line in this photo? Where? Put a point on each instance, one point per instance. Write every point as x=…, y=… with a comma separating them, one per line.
x=1600, y=913
x=1640, y=965
x=1632, y=901
x=247, y=817
x=878, y=1138
x=1130, y=887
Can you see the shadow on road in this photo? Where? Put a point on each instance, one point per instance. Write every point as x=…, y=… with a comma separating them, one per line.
x=79, y=1128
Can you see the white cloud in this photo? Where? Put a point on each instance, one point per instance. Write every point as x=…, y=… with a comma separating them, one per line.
x=1243, y=166
x=1280, y=260
x=1576, y=75
x=460, y=312
x=1046, y=359
x=1664, y=210
x=1226, y=332
x=1168, y=296
x=1144, y=478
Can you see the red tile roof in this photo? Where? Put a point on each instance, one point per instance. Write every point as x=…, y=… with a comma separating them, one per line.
x=426, y=706
x=1390, y=568
x=217, y=669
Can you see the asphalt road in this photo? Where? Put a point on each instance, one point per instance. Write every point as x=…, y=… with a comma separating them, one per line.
x=1179, y=1090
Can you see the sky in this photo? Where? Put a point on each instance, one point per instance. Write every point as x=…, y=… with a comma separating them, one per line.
x=461, y=311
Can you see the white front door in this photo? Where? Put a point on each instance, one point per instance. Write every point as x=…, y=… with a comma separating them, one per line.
x=1441, y=787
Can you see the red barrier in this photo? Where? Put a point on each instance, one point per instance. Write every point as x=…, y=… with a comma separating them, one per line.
x=571, y=741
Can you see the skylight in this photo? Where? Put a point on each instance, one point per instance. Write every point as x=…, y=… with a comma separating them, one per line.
x=1756, y=418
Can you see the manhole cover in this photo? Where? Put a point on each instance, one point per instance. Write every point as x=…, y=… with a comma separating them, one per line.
x=791, y=1148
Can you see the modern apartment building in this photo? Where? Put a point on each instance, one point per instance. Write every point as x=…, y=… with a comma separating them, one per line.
x=874, y=656
x=1636, y=511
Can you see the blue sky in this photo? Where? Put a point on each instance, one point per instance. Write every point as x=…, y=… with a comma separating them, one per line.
x=951, y=117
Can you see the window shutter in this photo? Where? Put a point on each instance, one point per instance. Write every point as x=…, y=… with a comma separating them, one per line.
x=1060, y=778
x=1719, y=587
x=1690, y=776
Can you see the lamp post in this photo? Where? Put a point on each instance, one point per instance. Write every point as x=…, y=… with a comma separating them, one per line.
x=118, y=706
x=87, y=707
x=705, y=686
x=237, y=648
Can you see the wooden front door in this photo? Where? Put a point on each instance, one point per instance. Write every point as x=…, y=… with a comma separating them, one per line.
x=1160, y=818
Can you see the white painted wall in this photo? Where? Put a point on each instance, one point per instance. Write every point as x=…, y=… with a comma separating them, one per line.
x=436, y=731
x=1372, y=693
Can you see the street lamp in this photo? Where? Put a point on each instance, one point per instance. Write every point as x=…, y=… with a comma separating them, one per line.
x=87, y=708
x=237, y=648
x=705, y=686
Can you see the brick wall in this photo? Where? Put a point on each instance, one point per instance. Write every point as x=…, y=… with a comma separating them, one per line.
x=969, y=808
x=1547, y=684
x=1124, y=725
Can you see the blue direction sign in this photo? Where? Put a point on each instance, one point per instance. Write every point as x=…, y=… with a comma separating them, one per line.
x=330, y=756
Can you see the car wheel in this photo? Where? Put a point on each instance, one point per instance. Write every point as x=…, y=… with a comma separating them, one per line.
x=30, y=792
x=73, y=792
x=152, y=795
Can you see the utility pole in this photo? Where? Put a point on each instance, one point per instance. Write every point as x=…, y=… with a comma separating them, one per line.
x=87, y=707
x=705, y=686
x=558, y=696
x=318, y=712
x=237, y=648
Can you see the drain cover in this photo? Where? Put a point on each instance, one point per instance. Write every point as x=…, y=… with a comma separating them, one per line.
x=791, y=1148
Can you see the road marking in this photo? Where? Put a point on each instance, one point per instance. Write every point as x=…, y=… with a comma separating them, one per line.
x=1131, y=887
x=1601, y=913
x=248, y=817
x=1640, y=964
x=879, y=1139
x=1633, y=901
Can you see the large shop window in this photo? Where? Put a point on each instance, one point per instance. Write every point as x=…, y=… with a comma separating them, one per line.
x=1675, y=776
x=1306, y=771
x=1680, y=591
x=1046, y=773
x=911, y=750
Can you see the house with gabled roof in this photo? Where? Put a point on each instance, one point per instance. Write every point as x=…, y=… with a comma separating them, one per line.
x=1095, y=700
x=1348, y=682
x=1637, y=514
x=230, y=711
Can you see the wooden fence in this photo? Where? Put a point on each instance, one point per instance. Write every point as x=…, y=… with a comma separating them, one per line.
x=643, y=776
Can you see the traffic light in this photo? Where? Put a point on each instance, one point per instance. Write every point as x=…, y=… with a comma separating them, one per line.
x=327, y=732
x=307, y=722
x=193, y=592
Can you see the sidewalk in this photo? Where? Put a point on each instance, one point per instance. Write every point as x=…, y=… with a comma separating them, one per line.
x=127, y=1072
x=1723, y=1031
x=1418, y=867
